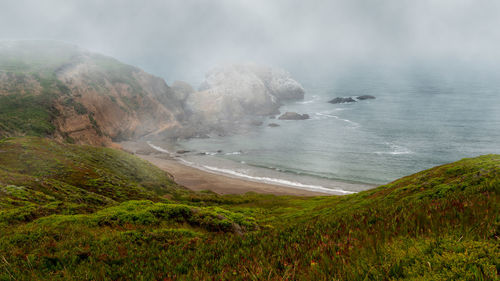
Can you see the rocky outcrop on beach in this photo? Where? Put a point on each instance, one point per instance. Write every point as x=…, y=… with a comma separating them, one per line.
x=232, y=96
x=293, y=116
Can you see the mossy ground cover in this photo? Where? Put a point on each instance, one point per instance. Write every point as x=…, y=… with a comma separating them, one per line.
x=71, y=212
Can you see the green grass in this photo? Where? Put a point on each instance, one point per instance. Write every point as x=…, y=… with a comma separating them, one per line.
x=30, y=115
x=71, y=212
x=26, y=109
x=39, y=177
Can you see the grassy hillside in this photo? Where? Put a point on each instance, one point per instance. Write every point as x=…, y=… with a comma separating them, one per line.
x=72, y=212
x=39, y=177
x=54, y=89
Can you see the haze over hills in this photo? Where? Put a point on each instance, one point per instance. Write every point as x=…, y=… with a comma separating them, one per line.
x=55, y=89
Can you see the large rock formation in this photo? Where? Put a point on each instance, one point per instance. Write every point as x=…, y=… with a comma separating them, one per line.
x=233, y=94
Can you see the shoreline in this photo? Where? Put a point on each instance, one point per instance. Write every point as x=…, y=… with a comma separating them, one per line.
x=197, y=179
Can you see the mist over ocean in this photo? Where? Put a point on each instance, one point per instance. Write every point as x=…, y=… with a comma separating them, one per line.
x=421, y=117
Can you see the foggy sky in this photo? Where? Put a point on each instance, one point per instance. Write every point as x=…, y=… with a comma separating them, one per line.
x=181, y=39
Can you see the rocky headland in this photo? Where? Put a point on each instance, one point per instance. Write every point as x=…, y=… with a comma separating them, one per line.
x=58, y=90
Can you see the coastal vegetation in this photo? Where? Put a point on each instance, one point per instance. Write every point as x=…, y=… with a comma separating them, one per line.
x=72, y=212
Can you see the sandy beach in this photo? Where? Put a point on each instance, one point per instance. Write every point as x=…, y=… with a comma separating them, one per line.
x=196, y=179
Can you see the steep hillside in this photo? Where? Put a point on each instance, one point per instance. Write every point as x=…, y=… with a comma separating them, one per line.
x=127, y=221
x=40, y=177
x=55, y=89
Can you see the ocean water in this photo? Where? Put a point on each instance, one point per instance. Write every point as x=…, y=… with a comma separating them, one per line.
x=418, y=120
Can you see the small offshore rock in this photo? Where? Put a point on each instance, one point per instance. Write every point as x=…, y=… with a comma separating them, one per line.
x=272, y=125
x=293, y=116
x=342, y=100
x=365, y=97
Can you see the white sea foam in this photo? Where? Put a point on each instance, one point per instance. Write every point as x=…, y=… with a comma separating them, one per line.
x=306, y=102
x=354, y=124
x=278, y=181
x=314, y=98
x=233, y=153
x=395, y=150
x=158, y=148
x=185, y=162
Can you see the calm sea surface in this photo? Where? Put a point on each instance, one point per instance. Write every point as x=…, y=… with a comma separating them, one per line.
x=418, y=120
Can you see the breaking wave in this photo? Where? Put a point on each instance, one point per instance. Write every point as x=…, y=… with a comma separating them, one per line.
x=255, y=178
x=278, y=181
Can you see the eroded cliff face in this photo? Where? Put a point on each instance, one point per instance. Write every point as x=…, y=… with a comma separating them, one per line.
x=86, y=98
x=133, y=105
